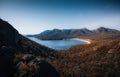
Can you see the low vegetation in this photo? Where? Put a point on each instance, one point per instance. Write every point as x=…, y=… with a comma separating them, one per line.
x=99, y=59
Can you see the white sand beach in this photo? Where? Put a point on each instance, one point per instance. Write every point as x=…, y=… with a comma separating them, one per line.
x=81, y=39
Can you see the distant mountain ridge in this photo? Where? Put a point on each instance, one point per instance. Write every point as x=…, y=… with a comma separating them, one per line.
x=106, y=30
x=58, y=34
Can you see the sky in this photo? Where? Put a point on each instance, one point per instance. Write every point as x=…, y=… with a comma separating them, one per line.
x=35, y=16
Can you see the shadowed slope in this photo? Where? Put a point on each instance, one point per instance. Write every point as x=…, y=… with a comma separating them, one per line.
x=21, y=57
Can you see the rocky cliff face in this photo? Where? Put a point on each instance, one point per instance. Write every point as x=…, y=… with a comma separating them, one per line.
x=21, y=57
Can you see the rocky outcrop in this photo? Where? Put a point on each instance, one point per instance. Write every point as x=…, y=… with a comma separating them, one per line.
x=31, y=66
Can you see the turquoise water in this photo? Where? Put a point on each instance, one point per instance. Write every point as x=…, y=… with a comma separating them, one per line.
x=58, y=44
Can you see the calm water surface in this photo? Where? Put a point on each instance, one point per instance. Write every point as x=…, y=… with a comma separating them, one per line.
x=58, y=44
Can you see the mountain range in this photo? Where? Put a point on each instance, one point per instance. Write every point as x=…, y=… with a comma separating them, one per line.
x=57, y=34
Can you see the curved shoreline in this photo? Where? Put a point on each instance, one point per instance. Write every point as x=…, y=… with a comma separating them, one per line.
x=80, y=39
x=88, y=41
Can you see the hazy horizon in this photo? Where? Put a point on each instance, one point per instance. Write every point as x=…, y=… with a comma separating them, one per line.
x=35, y=16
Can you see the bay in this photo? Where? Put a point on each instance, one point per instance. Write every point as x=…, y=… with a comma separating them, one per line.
x=58, y=44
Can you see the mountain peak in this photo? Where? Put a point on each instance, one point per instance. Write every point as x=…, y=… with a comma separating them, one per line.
x=102, y=28
x=105, y=30
x=85, y=28
x=73, y=33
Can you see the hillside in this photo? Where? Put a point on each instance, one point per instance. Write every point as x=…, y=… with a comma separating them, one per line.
x=21, y=57
x=98, y=59
x=58, y=34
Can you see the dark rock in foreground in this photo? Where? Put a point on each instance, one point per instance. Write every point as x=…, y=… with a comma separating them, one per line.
x=8, y=35
x=21, y=57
